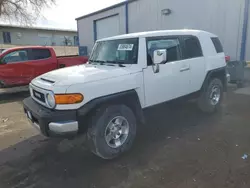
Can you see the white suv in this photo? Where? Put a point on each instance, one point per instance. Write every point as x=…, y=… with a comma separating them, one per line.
x=125, y=75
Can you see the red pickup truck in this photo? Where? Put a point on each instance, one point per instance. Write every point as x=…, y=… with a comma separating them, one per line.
x=18, y=66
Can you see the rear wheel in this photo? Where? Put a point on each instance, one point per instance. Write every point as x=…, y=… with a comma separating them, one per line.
x=111, y=131
x=211, y=97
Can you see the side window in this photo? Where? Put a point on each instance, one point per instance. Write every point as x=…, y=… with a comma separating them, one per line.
x=76, y=41
x=171, y=45
x=217, y=44
x=16, y=56
x=6, y=38
x=38, y=54
x=192, y=47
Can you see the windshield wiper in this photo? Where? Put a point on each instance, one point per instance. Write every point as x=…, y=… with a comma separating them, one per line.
x=121, y=65
x=116, y=63
x=111, y=62
x=97, y=61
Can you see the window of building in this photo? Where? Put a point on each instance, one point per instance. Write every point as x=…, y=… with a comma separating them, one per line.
x=6, y=38
x=38, y=54
x=45, y=39
x=171, y=45
x=192, y=47
x=76, y=41
x=16, y=56
x=217, y=44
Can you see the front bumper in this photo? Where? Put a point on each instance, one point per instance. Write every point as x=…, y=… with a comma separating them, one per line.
x=51, y=123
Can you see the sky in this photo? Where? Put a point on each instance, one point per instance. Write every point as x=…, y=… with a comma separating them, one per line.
x=63, y=14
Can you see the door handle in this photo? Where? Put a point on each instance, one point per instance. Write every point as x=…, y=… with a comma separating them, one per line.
x=184, y=69
x=61, y=65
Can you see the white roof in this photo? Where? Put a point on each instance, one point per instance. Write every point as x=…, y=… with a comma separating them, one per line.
x=160, y=33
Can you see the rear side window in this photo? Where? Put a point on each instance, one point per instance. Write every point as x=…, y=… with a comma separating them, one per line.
x=217, y=44
x=38, y=54
x=192, y=47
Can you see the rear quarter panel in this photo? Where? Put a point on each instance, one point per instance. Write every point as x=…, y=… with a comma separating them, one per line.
x=214, y=60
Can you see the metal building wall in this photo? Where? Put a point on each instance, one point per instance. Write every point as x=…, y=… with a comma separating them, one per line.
x=85, y=26
x=222, y=17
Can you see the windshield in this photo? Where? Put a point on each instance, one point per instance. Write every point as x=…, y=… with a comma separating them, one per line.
x=122, y=51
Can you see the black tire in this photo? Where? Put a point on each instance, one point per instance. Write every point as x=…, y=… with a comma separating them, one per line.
x=204, y=101
x=97, y=129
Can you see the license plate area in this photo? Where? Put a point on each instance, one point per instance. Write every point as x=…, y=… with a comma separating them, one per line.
x=29, y=115
x=33, y=120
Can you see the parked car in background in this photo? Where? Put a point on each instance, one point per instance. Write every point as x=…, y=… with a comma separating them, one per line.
x=18, y=66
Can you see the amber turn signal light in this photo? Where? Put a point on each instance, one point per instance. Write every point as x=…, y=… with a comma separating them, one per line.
x=68, y=98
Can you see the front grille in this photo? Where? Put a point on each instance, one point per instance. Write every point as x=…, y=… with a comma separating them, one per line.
x=39, y=96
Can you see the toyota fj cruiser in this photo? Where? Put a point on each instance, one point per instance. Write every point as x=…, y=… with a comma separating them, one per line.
x=125, y=75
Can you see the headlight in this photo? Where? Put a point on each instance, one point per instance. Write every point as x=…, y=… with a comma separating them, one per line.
x=51, y=100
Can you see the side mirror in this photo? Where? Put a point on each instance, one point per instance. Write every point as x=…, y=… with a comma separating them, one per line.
x=2, y=62
x=160, y=56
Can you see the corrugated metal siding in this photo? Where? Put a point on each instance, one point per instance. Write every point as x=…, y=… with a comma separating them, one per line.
x=86, y=28
x=222, y=17
x=102, y=31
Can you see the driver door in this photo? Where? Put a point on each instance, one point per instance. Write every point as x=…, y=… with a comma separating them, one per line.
x=12, y=68
x=171, y=81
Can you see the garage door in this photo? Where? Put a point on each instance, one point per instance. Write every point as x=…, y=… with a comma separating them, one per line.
x=107, y=27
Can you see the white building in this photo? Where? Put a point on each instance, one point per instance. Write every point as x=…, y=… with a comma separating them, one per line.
x=226, y=18
x=23, y=35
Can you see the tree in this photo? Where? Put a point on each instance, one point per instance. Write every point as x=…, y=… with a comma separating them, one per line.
x=22, y=11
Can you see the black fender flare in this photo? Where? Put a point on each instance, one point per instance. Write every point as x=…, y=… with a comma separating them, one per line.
x=129, y=98
x=219, y=73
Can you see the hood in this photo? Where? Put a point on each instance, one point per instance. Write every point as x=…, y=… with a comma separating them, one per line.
x=85, y=73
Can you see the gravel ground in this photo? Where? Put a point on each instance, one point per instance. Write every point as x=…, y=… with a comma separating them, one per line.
x=179, y=147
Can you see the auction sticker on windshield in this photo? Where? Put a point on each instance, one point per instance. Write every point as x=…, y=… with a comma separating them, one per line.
x=126, y=47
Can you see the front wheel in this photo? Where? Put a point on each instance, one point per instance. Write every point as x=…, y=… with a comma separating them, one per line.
x=211, y=97
x=111, y=131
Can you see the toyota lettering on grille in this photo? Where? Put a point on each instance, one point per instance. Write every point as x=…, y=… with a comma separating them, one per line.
x=38, y=95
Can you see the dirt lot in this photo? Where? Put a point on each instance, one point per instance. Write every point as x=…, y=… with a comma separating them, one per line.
x=179, y=147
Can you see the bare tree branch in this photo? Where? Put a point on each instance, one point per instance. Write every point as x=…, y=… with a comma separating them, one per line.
x=23, y=11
